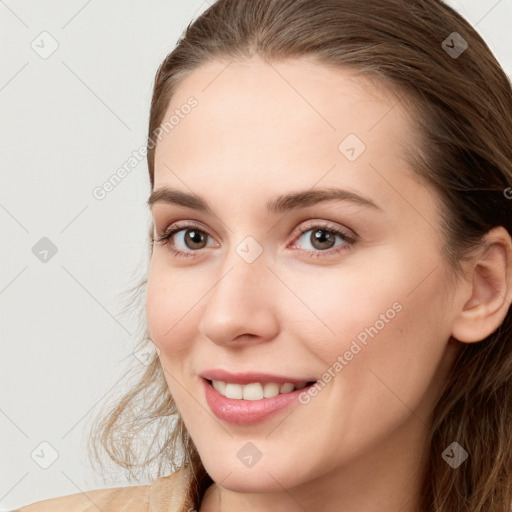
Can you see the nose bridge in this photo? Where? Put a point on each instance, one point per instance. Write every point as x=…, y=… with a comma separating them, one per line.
x=243, y=269
x=238, y=302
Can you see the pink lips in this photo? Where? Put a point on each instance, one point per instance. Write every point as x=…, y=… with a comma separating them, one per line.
x=249, y=377
x=247, y=412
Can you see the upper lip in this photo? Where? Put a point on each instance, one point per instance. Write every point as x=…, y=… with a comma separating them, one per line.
x=250, y=377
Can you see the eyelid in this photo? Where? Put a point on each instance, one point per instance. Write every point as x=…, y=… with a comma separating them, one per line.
x=300, y=230
x=184, y=224
x=348, y=236
x=318, y=223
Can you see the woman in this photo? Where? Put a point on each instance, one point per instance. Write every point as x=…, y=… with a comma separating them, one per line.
x=331, y=267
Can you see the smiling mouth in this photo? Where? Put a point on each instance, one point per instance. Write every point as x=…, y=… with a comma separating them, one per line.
x=256, y=390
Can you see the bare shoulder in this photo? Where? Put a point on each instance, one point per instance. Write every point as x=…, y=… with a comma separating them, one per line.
x=115, y=499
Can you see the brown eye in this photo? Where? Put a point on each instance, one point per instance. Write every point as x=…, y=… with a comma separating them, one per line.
x=194, y=238
x=184, y=240
x=322, y=240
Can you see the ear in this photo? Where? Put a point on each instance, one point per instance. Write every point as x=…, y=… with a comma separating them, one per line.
x=488, y=294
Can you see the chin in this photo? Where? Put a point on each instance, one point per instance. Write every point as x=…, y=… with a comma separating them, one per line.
x=259, y=478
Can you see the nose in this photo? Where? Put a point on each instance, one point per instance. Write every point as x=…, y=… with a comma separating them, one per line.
x=241, y=307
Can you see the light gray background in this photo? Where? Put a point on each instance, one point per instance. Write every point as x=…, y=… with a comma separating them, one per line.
x=68, y=122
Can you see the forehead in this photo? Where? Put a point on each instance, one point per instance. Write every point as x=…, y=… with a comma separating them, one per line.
x=282, y=125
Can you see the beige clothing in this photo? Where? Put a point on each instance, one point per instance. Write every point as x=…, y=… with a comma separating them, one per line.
x=164, y=494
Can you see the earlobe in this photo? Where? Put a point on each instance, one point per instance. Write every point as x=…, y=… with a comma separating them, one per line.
x=490, y=290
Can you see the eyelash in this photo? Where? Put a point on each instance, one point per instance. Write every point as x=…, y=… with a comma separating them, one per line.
x=349, y=239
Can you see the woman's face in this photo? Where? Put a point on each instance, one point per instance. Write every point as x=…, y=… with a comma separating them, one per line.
x=267, y=286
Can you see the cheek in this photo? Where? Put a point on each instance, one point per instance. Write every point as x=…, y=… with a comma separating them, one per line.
x=388, y=322
x=396, y=349
x=169, y=312
x=157, y=304
x=167, y=322
x=382, y=366
x=337, y=306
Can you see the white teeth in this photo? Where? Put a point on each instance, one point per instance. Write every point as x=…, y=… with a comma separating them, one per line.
x=286, y=388
x=255, y=390
x=271, y=389
x=252, y=391
x=233, y=390
x=220, y=386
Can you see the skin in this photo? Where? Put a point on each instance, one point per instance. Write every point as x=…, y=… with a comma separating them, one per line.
x=260, y=131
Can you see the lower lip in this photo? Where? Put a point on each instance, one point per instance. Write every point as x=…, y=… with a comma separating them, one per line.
x=247, y=412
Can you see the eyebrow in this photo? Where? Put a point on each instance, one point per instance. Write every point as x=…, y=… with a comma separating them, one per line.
x=280, y=204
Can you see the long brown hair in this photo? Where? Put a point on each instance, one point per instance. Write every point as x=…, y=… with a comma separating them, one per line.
x=463, y=110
